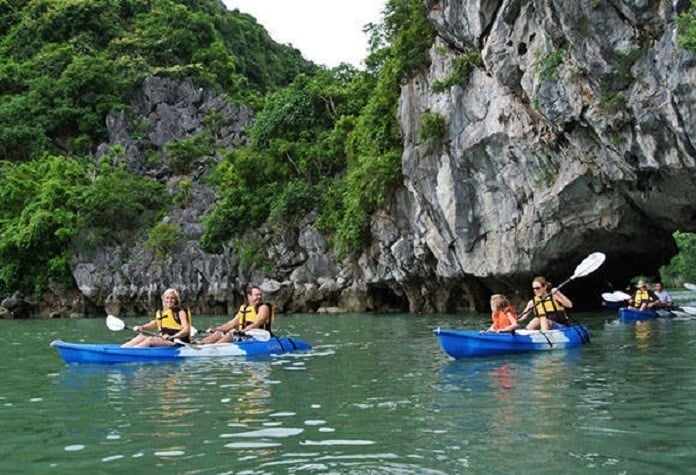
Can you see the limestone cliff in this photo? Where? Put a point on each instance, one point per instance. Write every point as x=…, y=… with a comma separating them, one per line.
x=572, y=134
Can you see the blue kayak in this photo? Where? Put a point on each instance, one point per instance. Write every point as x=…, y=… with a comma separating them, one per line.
x=613, y=306
x=470, y=343
x=113, y=353
x=635, y=315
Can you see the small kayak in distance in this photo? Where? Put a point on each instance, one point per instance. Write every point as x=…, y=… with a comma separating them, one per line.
x=634, y=315
x=114, y=353
x=471, y=343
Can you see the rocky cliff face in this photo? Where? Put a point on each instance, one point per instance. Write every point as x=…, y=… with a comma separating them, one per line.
x=574, y=135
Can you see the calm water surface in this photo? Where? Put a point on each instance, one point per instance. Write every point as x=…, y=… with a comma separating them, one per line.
x=376, y=396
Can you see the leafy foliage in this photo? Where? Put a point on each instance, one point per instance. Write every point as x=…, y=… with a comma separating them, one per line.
x=433, y=127
x=64, y=65
x=325, y=142
x=163, y=238
x=687, y=28
x=683, y=266
x=49, y=206
x=462, y=68
x=329, y=142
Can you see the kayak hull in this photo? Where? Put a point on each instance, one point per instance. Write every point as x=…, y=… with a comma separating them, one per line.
x=613, y=306
x=112, y=353
x=635, y=315
x=470, y=343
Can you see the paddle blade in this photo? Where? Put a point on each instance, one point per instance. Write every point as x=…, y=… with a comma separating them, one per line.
x=259, y=334
x=621, y=295
x=615, y=296
x=610, y=297
x=690, y=286
x=590, y=264
x=689, y=310
x=114, y=324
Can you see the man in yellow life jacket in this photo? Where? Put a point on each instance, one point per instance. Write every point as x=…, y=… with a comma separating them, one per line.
x=644, y=298
x=253, y=314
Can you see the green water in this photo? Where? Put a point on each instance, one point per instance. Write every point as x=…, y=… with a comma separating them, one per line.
x=375, y=396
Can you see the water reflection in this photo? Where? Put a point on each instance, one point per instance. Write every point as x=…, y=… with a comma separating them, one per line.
x=166, y=406
x=366, y=402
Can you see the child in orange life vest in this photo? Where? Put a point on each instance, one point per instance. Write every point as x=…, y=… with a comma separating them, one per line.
x=503, y=315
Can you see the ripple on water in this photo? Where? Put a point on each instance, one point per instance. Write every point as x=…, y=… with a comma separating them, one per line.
x=169, y=453
x=276, y=432
x=338, y=442
x=74, y=448
x=251, y=445
x=317, y=422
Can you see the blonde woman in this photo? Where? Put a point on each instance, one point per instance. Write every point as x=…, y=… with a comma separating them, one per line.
x=503, y=315
x=171, y=322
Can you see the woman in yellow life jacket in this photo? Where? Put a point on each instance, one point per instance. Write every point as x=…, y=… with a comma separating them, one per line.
x=644, y=298
x=171, y=322
x=253, y=314
x=548, y=305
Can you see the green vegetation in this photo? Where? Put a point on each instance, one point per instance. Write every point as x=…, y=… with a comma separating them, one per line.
x=433, y=127
x=63, y=67
x=548, y=66
x=546, y=174
x=683, y=266
x=687, y=28
x=462, y=68
x=163, y=238
x=52, y=206
x=329, y=142
x=325, y=141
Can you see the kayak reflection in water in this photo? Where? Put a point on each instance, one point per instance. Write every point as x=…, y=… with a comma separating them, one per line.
x=172, y=323
x=548, y=305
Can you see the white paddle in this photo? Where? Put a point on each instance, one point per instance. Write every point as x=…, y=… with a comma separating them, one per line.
x=259, y=334
x=690, y=286
x=115, y=324
x=615, y=296
x=689, y=310
x=621, y=295
x=588, y=265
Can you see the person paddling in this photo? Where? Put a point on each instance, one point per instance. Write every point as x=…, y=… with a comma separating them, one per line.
x=663, y=295
x=548, y=305
x=253, y=314
x=171, y=322
x=644, y=298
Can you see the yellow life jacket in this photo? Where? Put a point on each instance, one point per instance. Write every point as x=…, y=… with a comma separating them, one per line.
x=247, y=315
x=168, y=322
x=548, y=307
x=642, y=296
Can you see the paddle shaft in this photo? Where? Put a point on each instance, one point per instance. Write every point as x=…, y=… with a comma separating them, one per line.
x=547, y=297
x=178, y=341
x=145, y=332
